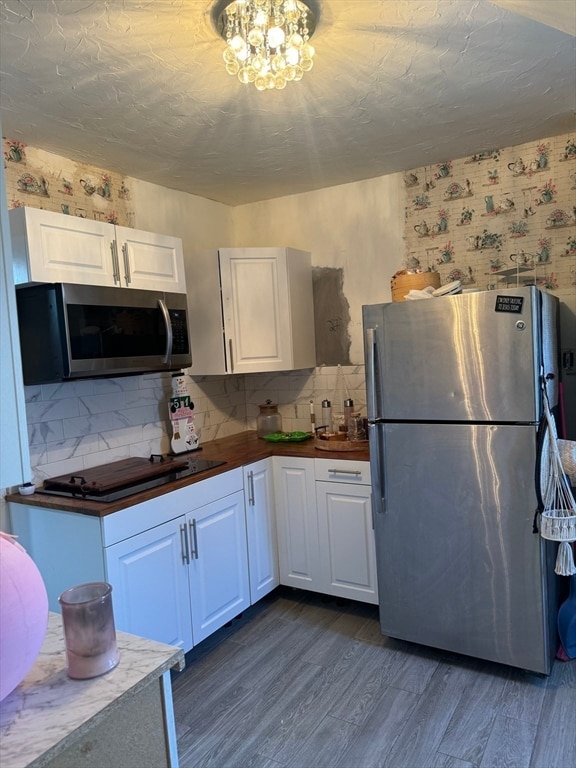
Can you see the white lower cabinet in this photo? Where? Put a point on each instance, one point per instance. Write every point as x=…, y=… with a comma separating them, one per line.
x=325, y=536
x=297, y=521
x=178, y=564
x=182, y=580
x=185, y=563
x=347, y=548
x=218, y=571
x=261, y=528
x=150, y=585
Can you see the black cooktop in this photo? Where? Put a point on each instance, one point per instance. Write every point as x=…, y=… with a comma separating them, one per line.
x=195, y=467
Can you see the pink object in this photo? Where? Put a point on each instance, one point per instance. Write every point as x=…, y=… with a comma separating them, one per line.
x=561, y=654
x=23, y=613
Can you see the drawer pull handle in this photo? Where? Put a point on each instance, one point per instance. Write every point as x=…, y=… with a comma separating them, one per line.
x=345, y=472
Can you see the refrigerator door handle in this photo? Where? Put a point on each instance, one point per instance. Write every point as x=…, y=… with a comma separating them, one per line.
x=376, y=470
x=371, y=379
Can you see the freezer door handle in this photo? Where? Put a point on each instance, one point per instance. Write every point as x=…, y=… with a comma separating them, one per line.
x=371, y=379
x=377, y=469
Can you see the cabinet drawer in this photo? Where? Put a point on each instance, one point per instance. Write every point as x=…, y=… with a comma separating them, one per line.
x=140, y=517
x=342, y=471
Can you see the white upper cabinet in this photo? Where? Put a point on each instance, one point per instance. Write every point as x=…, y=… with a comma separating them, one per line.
x=251, y=310
x=51, y=247
x=150, y=261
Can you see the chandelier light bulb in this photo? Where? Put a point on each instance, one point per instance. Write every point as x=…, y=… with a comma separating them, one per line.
x=276, y=37
x=237, y=43
x=261, y=19
x=267, y=41
x=292, y=56
x=243, y=54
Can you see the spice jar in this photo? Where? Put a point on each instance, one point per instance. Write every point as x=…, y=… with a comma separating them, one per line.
x=269, y=420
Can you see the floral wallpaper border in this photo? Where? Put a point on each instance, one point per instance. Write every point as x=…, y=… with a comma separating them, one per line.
x=501, y=217
x=43, y=180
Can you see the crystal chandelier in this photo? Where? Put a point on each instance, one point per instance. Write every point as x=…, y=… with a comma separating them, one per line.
x=267, y=41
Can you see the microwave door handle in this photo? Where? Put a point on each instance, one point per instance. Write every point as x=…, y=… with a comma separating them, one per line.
x=168, y=324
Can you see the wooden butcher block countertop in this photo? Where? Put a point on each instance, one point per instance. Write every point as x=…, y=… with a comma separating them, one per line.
x=235, y=450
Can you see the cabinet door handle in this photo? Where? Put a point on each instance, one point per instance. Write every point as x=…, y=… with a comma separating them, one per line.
x=194, y=537
x=184, y=545
x=345, y=472
x=251, y=488
x=115, y=264
x=127, y=276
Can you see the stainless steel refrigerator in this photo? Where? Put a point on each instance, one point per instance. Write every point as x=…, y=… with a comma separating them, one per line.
x=454, y=402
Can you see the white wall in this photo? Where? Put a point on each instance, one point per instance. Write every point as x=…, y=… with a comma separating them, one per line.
x=199, y=222
x=358, y=227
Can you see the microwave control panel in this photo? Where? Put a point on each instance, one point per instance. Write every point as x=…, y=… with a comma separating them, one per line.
x=180, y=344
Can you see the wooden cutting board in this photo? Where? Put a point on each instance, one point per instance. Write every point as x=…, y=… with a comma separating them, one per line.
x=110, y=476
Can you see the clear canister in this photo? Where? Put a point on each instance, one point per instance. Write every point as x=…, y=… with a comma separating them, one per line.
x=269, y=420
x=327, y=415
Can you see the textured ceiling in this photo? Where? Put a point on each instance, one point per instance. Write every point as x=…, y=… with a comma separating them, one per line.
x=139, y=86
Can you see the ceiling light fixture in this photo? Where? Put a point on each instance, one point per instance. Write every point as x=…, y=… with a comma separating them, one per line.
x=267, y=40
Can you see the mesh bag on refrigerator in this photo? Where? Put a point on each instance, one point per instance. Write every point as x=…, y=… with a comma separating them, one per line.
x=558, y=519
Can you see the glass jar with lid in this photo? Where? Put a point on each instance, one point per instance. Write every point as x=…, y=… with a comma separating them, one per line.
x=269, y=420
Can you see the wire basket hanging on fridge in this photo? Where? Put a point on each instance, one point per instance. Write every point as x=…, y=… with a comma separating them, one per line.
x=558, y=518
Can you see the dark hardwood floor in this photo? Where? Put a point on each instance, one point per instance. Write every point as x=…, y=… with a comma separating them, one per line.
x=304, y=681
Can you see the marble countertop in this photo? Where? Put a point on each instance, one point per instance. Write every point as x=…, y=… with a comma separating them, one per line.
x=48, y=711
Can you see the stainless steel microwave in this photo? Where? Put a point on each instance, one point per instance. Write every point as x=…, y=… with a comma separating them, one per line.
x=82, y=331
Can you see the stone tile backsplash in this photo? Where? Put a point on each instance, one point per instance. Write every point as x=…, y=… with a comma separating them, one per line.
x=76, y=425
